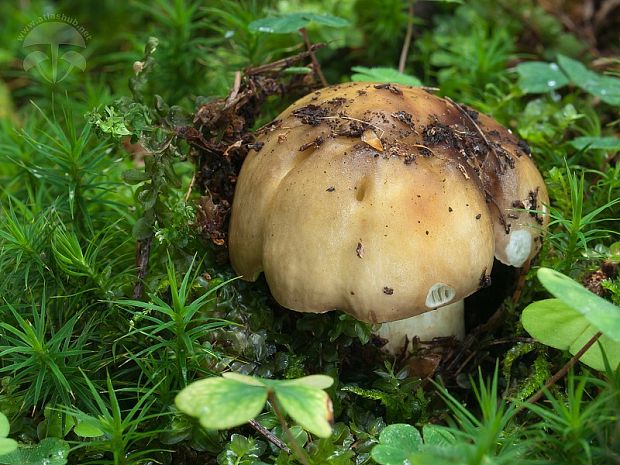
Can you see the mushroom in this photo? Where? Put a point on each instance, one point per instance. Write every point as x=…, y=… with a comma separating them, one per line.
x=385, y=202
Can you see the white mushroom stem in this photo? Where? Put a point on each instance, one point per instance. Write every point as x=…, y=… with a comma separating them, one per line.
x=442, y=322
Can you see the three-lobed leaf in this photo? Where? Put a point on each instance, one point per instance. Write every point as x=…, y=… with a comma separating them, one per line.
x=234, y=399
x=402, y=444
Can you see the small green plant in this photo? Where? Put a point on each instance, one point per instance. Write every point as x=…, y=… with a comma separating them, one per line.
x=400, y=394
x=400, y=443
x=467, y=440
x=50, y=451
x=576, y=427
x=572, y=232
x=573, y=318
x=42, y=365
x=113, y=430
x=298, y=22
x=101, y=183
x=537, y=77
x=173, y=330
x=234, y=399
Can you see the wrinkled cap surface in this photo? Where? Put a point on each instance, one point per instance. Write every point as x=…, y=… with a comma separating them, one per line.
x=379, y=200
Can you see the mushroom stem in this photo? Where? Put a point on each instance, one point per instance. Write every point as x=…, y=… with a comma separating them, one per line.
x=445, y=321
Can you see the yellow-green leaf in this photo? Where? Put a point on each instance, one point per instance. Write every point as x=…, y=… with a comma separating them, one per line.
x=312, y=381
x=309, y=407
x=221, y=403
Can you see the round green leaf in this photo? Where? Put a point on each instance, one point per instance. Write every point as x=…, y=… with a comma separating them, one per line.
x=396, y=443
x=553, y=323
x=594, y=355
x=312, y=381
x=435, y=435
x=556, y=324
x=7, y=446
x=607, y=88
x=221, y=403
x=5, y=426
x=279, y=24
x=293, y=22
x=383, y=74
x=50, y=451
x=602, y=314
x=87, y=429
x=536, y=77
x=309, y=407
x=245, y=379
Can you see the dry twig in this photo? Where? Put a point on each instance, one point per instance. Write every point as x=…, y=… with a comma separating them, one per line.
x=272, y=438
x=405, y=50
x=315, y=63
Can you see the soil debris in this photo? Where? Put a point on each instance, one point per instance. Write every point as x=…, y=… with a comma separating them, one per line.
x=404, y=118
x=473, y=114
x=311, y=114
x=221, y=136
x=594, y=280
x=351, y=129
x=485, y=280
x=438, y=133
x=316, y=143
x=524, y=147
x=391, y=87
x=359, y=250
x=256, y=146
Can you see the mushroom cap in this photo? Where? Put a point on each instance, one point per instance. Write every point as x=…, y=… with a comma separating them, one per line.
x=519, y=198
x=371, y=199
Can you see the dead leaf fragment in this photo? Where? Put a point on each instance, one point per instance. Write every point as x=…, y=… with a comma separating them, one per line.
x=370, y=137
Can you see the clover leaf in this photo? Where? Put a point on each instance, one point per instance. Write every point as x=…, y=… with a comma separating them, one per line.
x=234, y=399
x=573, y=318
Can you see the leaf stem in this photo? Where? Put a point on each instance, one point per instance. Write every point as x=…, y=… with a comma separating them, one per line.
x=296, y=449
x=562, y=372
x=143, y=251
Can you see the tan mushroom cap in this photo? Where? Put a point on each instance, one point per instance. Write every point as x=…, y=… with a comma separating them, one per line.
x=519, y=196
x=364, y=199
